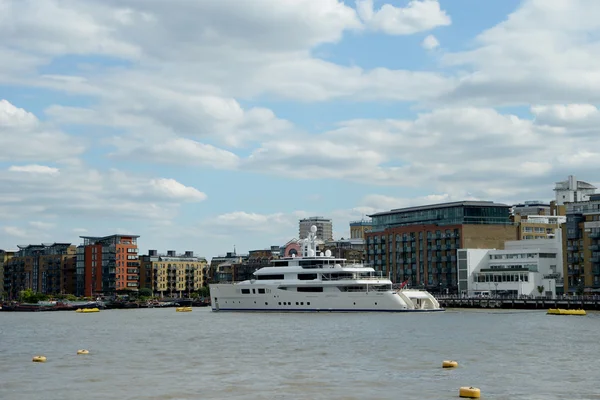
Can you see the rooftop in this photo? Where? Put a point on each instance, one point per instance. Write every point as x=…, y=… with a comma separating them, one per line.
x=442, y=205
x=109, y=237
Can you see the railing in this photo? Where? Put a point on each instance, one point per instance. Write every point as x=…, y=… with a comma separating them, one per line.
x=347, y=278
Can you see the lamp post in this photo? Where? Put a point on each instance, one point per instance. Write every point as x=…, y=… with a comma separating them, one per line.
x=496, y=291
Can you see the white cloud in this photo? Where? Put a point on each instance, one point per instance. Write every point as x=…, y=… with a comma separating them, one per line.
x=41, y=225
x=15, y=232
x=34, y=169
x=430, y=42
x=572, y=116
x=543, y=53
x=470, y=148
x=237, y=50
x=418, y=16
x=175, y=190
x=29, y=139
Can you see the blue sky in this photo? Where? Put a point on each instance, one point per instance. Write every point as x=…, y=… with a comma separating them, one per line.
x=200, y=125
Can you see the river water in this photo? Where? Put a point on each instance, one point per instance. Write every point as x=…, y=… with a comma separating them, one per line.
x=161, y=354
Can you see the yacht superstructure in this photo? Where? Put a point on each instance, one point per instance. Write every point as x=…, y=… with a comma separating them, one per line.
x=318, y=282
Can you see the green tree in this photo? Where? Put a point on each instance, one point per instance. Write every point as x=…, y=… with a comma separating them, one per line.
x=204, y=291
x=29, y=296
x=540, y=289
x=145, y=292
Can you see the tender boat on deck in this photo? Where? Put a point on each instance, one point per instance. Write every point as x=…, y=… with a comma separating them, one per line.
x=318, y=282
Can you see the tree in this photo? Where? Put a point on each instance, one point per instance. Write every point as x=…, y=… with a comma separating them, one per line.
x=29, y=296
x=540, y=289
x=145, y=292
x=204, y=291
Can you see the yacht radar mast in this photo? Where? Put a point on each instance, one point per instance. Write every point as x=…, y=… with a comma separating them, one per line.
x=309, y=244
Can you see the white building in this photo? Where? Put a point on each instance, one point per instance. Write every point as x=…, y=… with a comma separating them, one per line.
x=324, y=227
x=522, y=268
x=572, y=190
x=547, y=219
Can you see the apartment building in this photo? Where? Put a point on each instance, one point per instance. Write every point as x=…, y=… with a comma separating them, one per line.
x=581, y=245
x=358, y=229
x=324, y=227
x=533, y=227
x=419, y=244
x=172, y=273
x=532, y=208
x=5, y=255
x=571, y=191
x=107, y=264
x=43, y=268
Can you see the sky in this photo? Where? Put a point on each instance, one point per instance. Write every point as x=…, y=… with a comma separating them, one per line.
x=204, y=125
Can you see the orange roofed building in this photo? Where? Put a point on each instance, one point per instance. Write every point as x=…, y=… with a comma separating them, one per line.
x=107, y=264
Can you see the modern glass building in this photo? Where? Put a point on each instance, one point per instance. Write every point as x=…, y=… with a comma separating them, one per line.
x=458, y=213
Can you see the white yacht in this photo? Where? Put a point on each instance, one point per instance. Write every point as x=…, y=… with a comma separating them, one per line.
x=318, y=282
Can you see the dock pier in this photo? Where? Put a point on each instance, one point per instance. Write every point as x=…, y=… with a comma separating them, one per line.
x=571, y=302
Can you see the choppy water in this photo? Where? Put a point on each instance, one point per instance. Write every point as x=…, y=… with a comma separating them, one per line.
x=161, y=354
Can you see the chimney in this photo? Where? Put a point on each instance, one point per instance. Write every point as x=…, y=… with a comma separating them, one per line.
x=171, y=253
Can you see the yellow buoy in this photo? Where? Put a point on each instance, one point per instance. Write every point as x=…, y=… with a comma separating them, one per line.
x=449, y=364
x=469, y=392
x=39, y=359
x=562, y=311
x=83, y=352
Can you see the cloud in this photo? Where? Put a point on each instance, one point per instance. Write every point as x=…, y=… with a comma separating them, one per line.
x=476, y=149
x=418, y=16
x=545, y=52
x=175, y=190
x=30, y=140
x=569, y=116
x=430, y=42
x=15, y=232
x=237, y=51
x=41, y=225
x=34, y=169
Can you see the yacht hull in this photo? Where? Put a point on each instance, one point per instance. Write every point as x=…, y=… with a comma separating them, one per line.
x=229, y=297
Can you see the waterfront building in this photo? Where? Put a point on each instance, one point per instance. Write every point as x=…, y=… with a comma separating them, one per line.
x=324, y=227
x=571, y=191
x=581, y=246
x=293, y=248
x=43, y=268
x=107, y=264
x=351, y=249
x=172, y=273
x=538, y=226
x=418, y=244
x=5, y=255
x=531, y=208
x=524, y=267
x=358, y=229
x=219, y=270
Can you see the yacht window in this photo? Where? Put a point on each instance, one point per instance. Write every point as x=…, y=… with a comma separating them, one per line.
x=307, y=277
x=261, y=291
x=310, y=289
x=245, y=291
x=308, y=303
x=269, y=277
